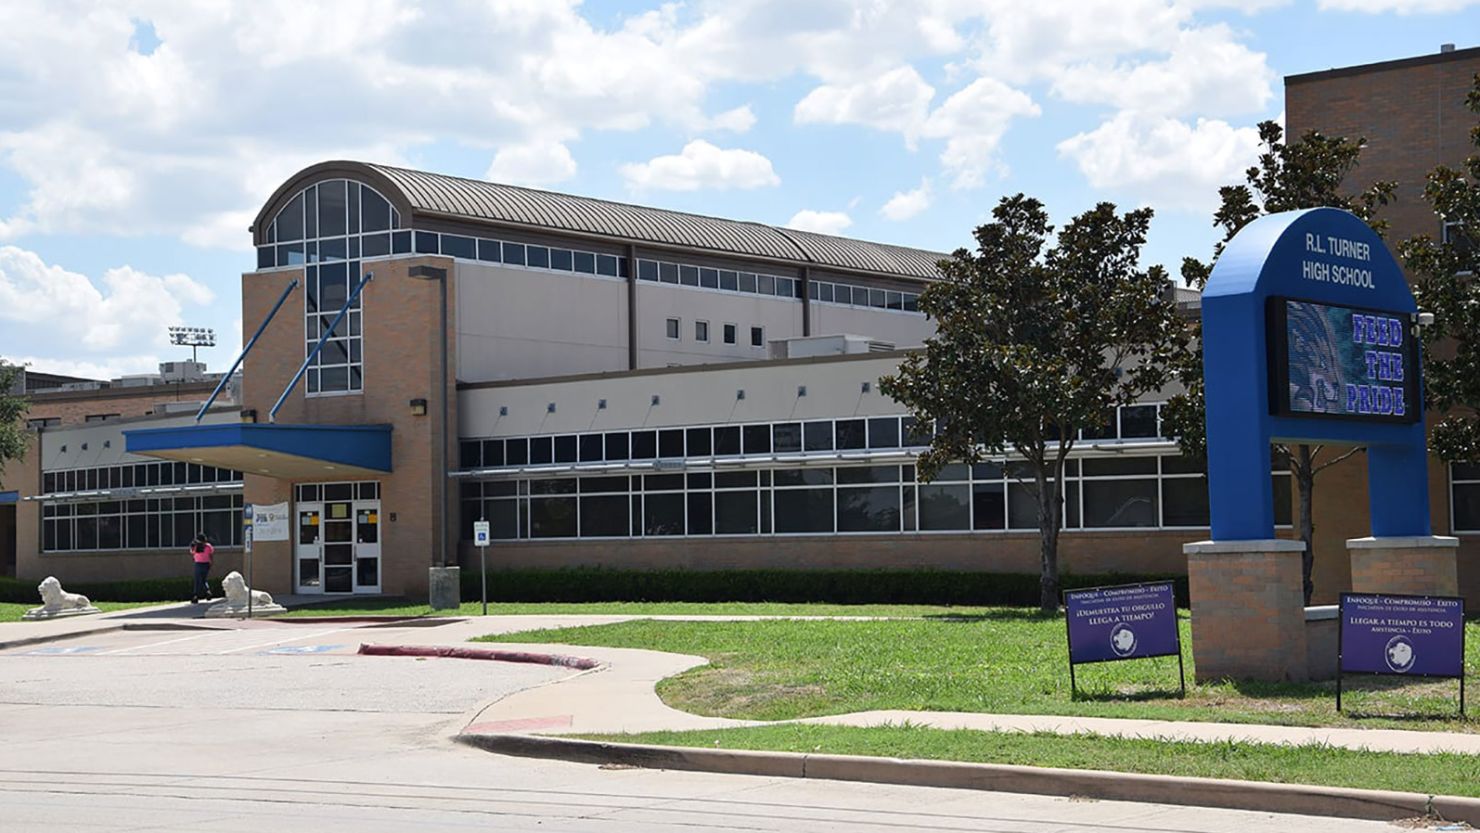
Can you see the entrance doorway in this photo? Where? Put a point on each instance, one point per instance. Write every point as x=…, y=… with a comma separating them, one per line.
x=337, y=546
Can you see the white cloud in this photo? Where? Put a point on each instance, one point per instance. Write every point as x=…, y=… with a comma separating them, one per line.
x=821, y=222
x=53, y=311
x=1207, y=72
x=907, y=204
x=701, y=165
x=972, y=121
x=738, y=120
x=1164, y=162
x=532, y=163
x=898, y=100
x=1397, y=6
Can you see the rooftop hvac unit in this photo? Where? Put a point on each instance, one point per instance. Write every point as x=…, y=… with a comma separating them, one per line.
x=182, y=371
x=829, y=345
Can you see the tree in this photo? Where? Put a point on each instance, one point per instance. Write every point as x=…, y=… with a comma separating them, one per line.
x=1305, y=174
x=13, y=407
x=1034, y=343
x=1444, y=273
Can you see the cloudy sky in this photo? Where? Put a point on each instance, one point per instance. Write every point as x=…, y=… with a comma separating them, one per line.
x=137, y=140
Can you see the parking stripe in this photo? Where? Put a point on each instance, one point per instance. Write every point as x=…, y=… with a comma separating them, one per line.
x=280, y=641
x=159, y=644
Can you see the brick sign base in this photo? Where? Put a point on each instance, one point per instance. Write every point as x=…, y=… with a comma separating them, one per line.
x=1248, y=610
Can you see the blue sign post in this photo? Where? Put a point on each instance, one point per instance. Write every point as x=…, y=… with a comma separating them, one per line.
x=1308, y=336
x=1128, y=621
x=1410, y=636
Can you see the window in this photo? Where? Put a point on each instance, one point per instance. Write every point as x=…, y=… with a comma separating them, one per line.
x=140, y=524
x=99, y=417
x=701, y=331
x=757, y=337
x=1464, y=492
x=730, y=330
x=672, y=328
x=43, y=422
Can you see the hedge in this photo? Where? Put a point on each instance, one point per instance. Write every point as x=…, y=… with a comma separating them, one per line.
x=140, y=590
x=830, y=586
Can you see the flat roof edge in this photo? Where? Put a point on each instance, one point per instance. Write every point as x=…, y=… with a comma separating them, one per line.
x=1384, y=66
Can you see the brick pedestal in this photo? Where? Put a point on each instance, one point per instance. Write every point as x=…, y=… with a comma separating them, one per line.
x=1425, y=565
x=1248, y=610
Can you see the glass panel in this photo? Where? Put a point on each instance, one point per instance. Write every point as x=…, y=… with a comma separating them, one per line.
x=757, y=439
x=1283, y=498
x=606, y=265
x=592, y=485
x=989, y=507
x=541, y=450
x=339, y=491
x=339, y=580
x=1185, y=502
x=584, y=262
x=489, y=250
x=786, y=436
x=516, y=452
x=663, y=514
x=663, y=482
x=400, y=242
x=537, y=256
x=850, y=434
x=1466, y=507
x=470, y=454
x=367, y=525
x=332, y=208
x=874, y=509
x=698, y=442
x=591, y=448
x=604, y=516
x=670, y=442
x=1465, y=471
x=765, y=284
x=644, y=445
x=1119, y=465
x=709, y=278
x=883, y=432
x=367, y=572
x=552, y=517
x=1138, y=421
x=728, y=280
x=565, y=448
x=727, y=440
x=426, y=243
x=289, y=223
x=803, y=477
x=459, y=246
x=616, y=446
x=747, y=281
x=668, y=272
x=868, y=474
x=376, y=211
x=1182, y=465
x=944, y=506
x=700, y=512
x=503, y=518
x=688, y=275
x=804, y=510
x=1120, y=503
x=647, y=270
x=817, y=436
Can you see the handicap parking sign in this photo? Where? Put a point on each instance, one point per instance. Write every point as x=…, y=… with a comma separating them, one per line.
x=481, y=533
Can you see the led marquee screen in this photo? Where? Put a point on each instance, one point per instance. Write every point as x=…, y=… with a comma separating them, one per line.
x=1342, y=362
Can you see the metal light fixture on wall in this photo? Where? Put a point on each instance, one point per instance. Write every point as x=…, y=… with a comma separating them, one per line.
x=418, y=407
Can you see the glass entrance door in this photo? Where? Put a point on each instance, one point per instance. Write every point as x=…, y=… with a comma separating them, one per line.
x=338, y=544
x=307, y=558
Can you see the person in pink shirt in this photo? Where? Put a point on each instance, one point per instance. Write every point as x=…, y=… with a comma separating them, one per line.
x=201, y=551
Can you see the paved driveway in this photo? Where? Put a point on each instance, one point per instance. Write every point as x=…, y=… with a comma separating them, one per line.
x=280, y=727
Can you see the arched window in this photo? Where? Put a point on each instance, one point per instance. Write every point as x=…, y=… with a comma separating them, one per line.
x=328, y=228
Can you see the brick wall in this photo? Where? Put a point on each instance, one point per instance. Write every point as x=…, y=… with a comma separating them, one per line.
x=1248, y=615
x=401, y=345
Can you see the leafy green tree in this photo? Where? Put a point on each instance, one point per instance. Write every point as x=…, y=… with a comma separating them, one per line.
x=1443, y=273
x=1304, y=174
x=13, y=407
x=1037, y=338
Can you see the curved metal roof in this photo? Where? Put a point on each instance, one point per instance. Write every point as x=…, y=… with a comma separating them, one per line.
x=471, y=199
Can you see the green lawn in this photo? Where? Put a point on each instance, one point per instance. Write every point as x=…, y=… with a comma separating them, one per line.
x=395, y=607
x=1440, y=774
x=12, y=611
x=999, y=660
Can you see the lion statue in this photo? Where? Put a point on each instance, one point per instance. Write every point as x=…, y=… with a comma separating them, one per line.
x=237, y=595
x=57, y=602
x=55, y=598
x=237, y=590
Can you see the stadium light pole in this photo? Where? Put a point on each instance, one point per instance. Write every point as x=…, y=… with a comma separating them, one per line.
x=192, y=337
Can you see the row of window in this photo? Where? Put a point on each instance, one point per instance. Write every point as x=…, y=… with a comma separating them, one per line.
x=730, y=333
x=1132, y=422
x=333, y=208
x=1464, y=494
x=339, y=365
x=1099, y=493
x=141, y=524
x=134, y=475
x=732, y=280
x=321, y=492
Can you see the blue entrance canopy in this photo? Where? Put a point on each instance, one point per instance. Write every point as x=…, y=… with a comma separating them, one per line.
x=9, y=497
x=323, y=452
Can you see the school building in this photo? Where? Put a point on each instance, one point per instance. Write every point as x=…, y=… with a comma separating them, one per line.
x=616, y=385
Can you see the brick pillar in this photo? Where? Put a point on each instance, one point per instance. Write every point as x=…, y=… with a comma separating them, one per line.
x=1425, y=565
x=1248, y=610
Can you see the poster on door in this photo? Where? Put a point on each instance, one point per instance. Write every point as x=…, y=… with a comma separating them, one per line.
x=270, y=522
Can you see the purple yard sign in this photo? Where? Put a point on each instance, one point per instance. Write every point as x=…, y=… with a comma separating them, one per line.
x=1418, y=636
x=1131, y=621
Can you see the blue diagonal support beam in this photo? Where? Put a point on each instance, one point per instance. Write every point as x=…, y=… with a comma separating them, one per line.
x=303, y=368
x=245, y=350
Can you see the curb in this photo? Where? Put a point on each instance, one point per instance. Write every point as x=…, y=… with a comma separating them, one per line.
x=371, y=620
x=458, y=652
x=1379, y=805
x=56, y=637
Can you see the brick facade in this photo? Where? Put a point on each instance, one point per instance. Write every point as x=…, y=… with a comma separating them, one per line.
x=1248, y=611
x=401, y=346
x=1420, y=567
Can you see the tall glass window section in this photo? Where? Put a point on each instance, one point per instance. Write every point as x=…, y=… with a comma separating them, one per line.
x=329, y=227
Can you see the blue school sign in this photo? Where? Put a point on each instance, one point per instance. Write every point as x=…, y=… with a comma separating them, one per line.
x=1308, y=336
